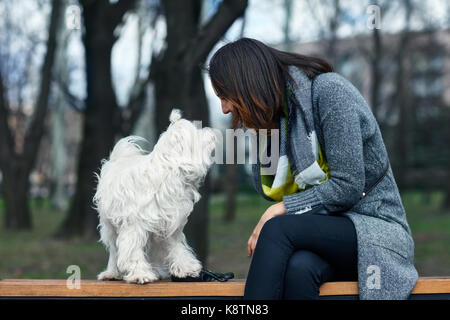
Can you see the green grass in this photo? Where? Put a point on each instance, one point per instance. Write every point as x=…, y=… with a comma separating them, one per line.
x=228, y=240
x=36, y=254
x=430, y=227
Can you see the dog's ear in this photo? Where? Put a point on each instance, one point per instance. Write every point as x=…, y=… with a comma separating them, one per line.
x=175, y=115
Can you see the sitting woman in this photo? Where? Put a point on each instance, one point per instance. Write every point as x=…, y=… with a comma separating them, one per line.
x=338, y=213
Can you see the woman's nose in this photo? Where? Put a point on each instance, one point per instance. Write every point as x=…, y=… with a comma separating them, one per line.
x=226, y=107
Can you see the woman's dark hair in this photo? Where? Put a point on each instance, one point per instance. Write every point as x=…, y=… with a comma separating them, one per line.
x=252, y=76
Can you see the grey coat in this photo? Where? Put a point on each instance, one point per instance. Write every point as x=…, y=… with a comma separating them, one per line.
x=353, y=146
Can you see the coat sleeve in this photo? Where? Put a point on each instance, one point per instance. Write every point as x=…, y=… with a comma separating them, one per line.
x=338, y=102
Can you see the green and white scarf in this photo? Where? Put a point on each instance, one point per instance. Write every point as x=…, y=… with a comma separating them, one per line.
x=301, y=145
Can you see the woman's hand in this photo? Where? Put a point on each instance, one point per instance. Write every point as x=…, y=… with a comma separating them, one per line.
x=273, y=211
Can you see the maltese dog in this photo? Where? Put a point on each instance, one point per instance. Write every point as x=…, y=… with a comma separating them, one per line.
x=144, y=200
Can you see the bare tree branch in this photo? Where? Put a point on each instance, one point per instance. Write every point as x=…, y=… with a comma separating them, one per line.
x=76, y=103
x=313, y=11
x=131, y=113
x=36, y=128
x=135, y=106
x=213, y=30
x=117, y=11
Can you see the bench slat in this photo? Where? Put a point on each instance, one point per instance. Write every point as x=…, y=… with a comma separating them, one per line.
x=93, y=288
x=232, y=288
x=425, y=285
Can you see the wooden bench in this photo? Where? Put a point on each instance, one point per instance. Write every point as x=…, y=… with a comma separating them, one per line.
x=426, y=288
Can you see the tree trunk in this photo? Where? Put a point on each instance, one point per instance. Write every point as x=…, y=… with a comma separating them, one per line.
x=446, y=202
x=16, y=167
x=58, y=156
x=230, y=186
x=333, y=28
x=100, y=119
x=185, y=91
x=16, y=185
x=287, y=42
x=58, y=129
x=403, y=130
x=178, y=82
x=98, y=140
x=376, y=73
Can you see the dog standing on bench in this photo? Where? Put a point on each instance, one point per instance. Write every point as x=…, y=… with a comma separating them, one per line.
x=144, y=200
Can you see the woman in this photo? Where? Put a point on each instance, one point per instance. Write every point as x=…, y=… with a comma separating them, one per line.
x=326, y=225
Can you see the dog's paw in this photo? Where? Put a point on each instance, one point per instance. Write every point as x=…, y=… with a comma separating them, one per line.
x=140, y=278
x=109, y=275
x=186, y=269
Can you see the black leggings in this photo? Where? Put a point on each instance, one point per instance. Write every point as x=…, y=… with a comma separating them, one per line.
x=295, y=254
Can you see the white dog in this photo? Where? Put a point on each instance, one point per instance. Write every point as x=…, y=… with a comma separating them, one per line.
x=144, y=201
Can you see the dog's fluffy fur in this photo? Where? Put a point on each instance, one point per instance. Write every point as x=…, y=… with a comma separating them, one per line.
x=144, y=200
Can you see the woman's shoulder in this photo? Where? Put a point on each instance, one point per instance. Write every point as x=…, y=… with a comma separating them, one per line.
x=331, y=89
x=332, y=81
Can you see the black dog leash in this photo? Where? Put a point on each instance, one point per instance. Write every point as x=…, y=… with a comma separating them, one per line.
x=206, y=276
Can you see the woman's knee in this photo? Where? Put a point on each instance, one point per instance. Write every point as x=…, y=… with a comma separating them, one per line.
x=272, y=228
x=308, y=266
x=305, y=273
x=301, y=264
x=300, y=227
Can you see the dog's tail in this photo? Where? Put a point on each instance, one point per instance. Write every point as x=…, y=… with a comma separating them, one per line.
x=127, y=147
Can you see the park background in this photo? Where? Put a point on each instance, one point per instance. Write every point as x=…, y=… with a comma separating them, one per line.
x=75, y=76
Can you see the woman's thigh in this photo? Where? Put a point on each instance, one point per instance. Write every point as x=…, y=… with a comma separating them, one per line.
x=331, y=237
